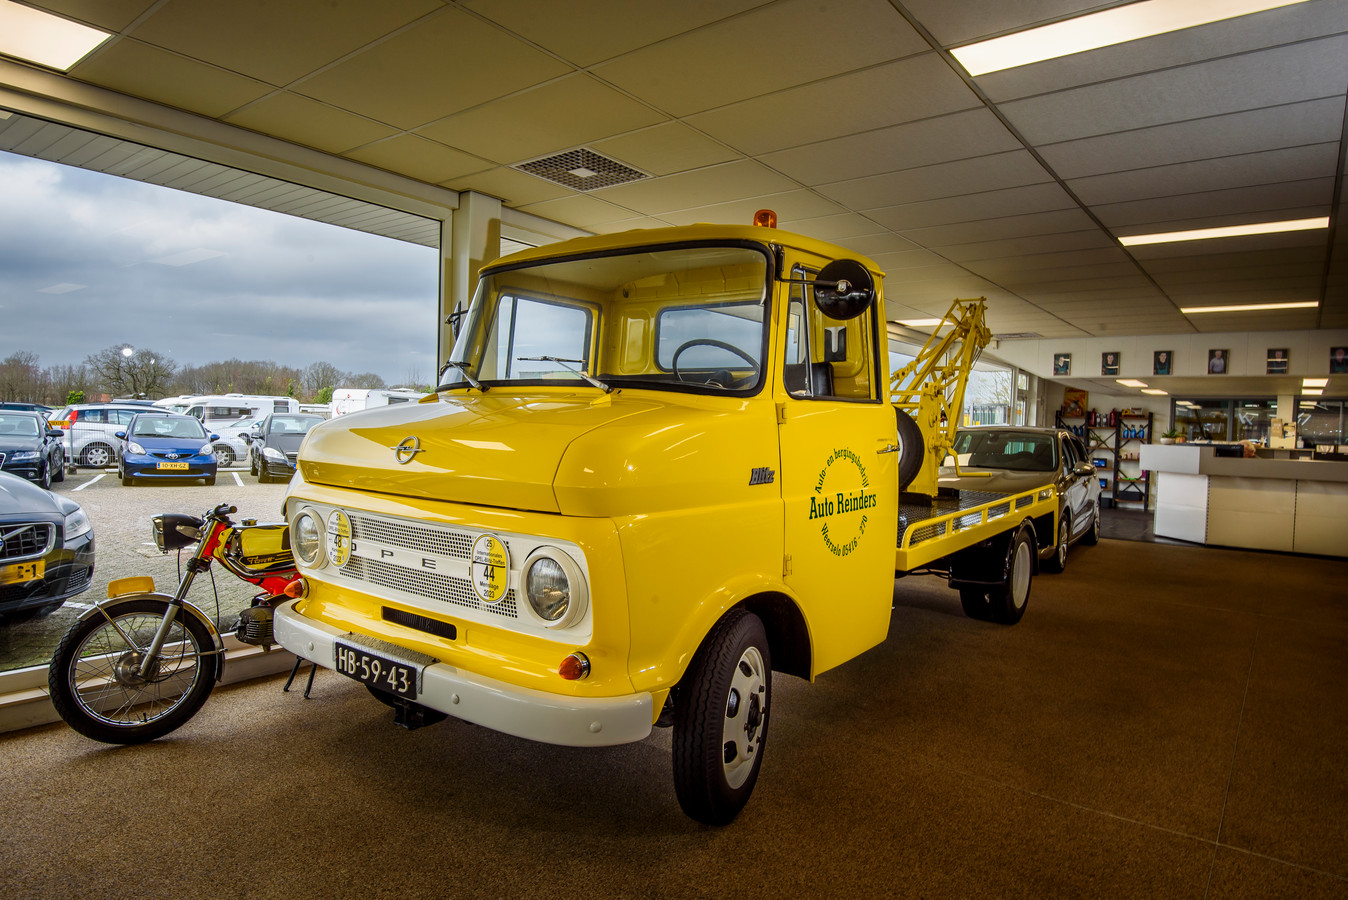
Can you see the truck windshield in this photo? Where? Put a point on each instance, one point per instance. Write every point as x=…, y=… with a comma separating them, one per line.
x=692, y=318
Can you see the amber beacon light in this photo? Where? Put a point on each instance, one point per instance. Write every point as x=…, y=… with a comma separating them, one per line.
x=765, y=218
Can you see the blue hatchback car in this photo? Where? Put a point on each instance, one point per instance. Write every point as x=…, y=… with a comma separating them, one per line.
x=163, y=446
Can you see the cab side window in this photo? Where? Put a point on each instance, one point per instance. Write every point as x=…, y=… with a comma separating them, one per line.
x=825, y=358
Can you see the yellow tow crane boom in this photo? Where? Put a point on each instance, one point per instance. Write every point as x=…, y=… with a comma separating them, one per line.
x=930, y=389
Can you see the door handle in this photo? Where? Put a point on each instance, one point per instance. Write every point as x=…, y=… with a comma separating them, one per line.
x=888, y=448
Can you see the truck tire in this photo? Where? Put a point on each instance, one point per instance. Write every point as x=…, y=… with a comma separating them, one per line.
x=1009, y=599
x=721, y=720
x=911, y=448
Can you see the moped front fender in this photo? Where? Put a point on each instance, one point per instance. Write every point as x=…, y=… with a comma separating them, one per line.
x=106, y=609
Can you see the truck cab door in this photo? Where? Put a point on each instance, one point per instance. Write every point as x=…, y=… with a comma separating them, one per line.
x=839, y=478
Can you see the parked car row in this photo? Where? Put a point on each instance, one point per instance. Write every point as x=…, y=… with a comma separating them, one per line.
x=31, y=448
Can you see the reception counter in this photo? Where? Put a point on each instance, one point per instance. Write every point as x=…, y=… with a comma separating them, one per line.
x=1293, y=505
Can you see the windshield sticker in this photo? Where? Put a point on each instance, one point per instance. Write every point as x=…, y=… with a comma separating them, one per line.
x=841, y=498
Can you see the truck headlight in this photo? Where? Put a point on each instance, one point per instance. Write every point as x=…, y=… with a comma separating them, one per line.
x=307, y=540
x=555, y=587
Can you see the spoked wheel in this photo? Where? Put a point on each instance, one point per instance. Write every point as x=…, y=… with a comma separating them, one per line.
x=721, y=720
x=224, y=456
x=97, y=686
x=98, y=456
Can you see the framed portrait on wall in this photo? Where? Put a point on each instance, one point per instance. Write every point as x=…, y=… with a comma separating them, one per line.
x=1062, y=364
x=1162, y=361
x=1109, y=363
x=1217, y=361
x=1277, y=361
x=1338, y=360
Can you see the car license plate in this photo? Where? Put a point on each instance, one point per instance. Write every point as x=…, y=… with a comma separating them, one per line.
x=180, y=466
x=377, y=671
x=21, y=572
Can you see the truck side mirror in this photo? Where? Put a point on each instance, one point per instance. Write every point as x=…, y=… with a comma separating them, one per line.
x=843, y=289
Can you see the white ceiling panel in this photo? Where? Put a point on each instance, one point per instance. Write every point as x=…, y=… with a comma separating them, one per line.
x=848, y=118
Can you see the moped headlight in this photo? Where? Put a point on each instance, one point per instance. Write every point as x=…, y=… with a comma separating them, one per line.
x=555, y=587
x=307, y=540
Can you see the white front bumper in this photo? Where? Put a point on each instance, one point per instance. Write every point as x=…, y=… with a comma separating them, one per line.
x=526, y=713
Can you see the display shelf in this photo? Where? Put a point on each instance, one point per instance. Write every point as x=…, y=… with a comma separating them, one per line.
x=1118, y=447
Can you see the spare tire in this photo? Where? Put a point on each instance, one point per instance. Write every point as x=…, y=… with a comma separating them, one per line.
x=912, y=448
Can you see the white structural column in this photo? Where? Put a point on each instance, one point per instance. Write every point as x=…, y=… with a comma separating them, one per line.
x=472, y=238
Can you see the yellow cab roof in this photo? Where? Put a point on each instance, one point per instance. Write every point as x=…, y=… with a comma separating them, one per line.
x=643, y=237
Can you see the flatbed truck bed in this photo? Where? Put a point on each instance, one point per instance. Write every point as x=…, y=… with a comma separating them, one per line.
x=932, y=528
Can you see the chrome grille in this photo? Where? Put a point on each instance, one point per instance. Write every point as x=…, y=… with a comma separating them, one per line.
x=427, y=585
x=19, y=540
x=408, y=536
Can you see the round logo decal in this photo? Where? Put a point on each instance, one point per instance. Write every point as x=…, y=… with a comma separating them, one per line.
x=491, y=566
x=842, y=502
x=339, y=538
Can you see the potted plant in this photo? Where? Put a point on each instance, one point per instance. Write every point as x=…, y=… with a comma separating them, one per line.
x=1169, y=436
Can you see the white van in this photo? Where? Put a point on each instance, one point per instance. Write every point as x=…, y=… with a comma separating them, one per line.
x=349, y=400
x=230, y=415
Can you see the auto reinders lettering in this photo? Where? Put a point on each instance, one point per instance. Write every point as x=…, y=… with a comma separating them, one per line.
x=834, y=502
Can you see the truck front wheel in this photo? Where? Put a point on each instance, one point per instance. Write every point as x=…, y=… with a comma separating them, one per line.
x=721, y=720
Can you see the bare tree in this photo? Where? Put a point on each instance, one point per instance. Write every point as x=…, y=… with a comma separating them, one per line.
x=20, y=378
x=320, y=375
x=364, y=380
x=123, y=370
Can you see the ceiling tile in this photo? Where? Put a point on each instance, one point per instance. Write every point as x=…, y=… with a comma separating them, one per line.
x=1027, y=246
x=962, y=23
x=836, y=228
x=959, y=136
x=665, y=149
x=589, y=31
x=145, y=71
x=965, y=176
x=1213, y=209
x=511, y=186
x=579, y=210
x=304, y=121
x=555, y=116
x=789, y=206
x=701, y=187
x=275, y=42
x=989, y=206
x=885, y=244
x=918, y=87
x=110, y=15
x=1062, y=222
x=1248, y=169
x=782, y=45
x=1282, y=75
x=1172, y=49
x=1315, y=122
x=446, y=63
x=419, y=158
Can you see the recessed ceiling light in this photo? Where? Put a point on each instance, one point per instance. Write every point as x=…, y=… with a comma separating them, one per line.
x=920, y=323
x=1314, y=382
x=1313, y=392
x=1250, y=307
x=1206, y=234
x=40, y=37
x=1102, y=29
x=1156, y=391
x=1131, y=382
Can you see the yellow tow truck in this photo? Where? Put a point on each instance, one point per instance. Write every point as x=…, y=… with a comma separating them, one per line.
x=660, y=466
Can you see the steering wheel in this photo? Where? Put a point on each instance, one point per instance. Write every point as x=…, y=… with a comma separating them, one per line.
x=723, y=374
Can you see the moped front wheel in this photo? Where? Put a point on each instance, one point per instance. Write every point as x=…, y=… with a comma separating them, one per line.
x=97, y=681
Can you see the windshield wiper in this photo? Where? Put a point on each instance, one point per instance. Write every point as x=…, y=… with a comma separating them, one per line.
x=462, y=369
x=564, y=362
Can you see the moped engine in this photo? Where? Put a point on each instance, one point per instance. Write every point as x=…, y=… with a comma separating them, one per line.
x=255, y=627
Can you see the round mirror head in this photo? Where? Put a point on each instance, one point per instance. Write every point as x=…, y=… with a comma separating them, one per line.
x=843, y=289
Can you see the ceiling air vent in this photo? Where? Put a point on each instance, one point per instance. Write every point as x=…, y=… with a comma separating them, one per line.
x=581, y=170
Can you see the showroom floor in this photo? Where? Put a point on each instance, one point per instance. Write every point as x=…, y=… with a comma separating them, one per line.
x=1167, y=721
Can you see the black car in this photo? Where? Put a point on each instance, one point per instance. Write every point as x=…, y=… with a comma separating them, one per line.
x=31, y=448
x=46, y=550
x=275, y=444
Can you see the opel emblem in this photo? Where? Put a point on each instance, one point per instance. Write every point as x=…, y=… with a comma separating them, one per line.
x=406, y=449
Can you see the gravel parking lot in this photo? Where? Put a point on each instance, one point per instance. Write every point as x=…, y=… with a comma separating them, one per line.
x=125, y=546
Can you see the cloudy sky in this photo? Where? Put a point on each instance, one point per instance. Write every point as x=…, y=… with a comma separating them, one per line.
x=89, y=260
